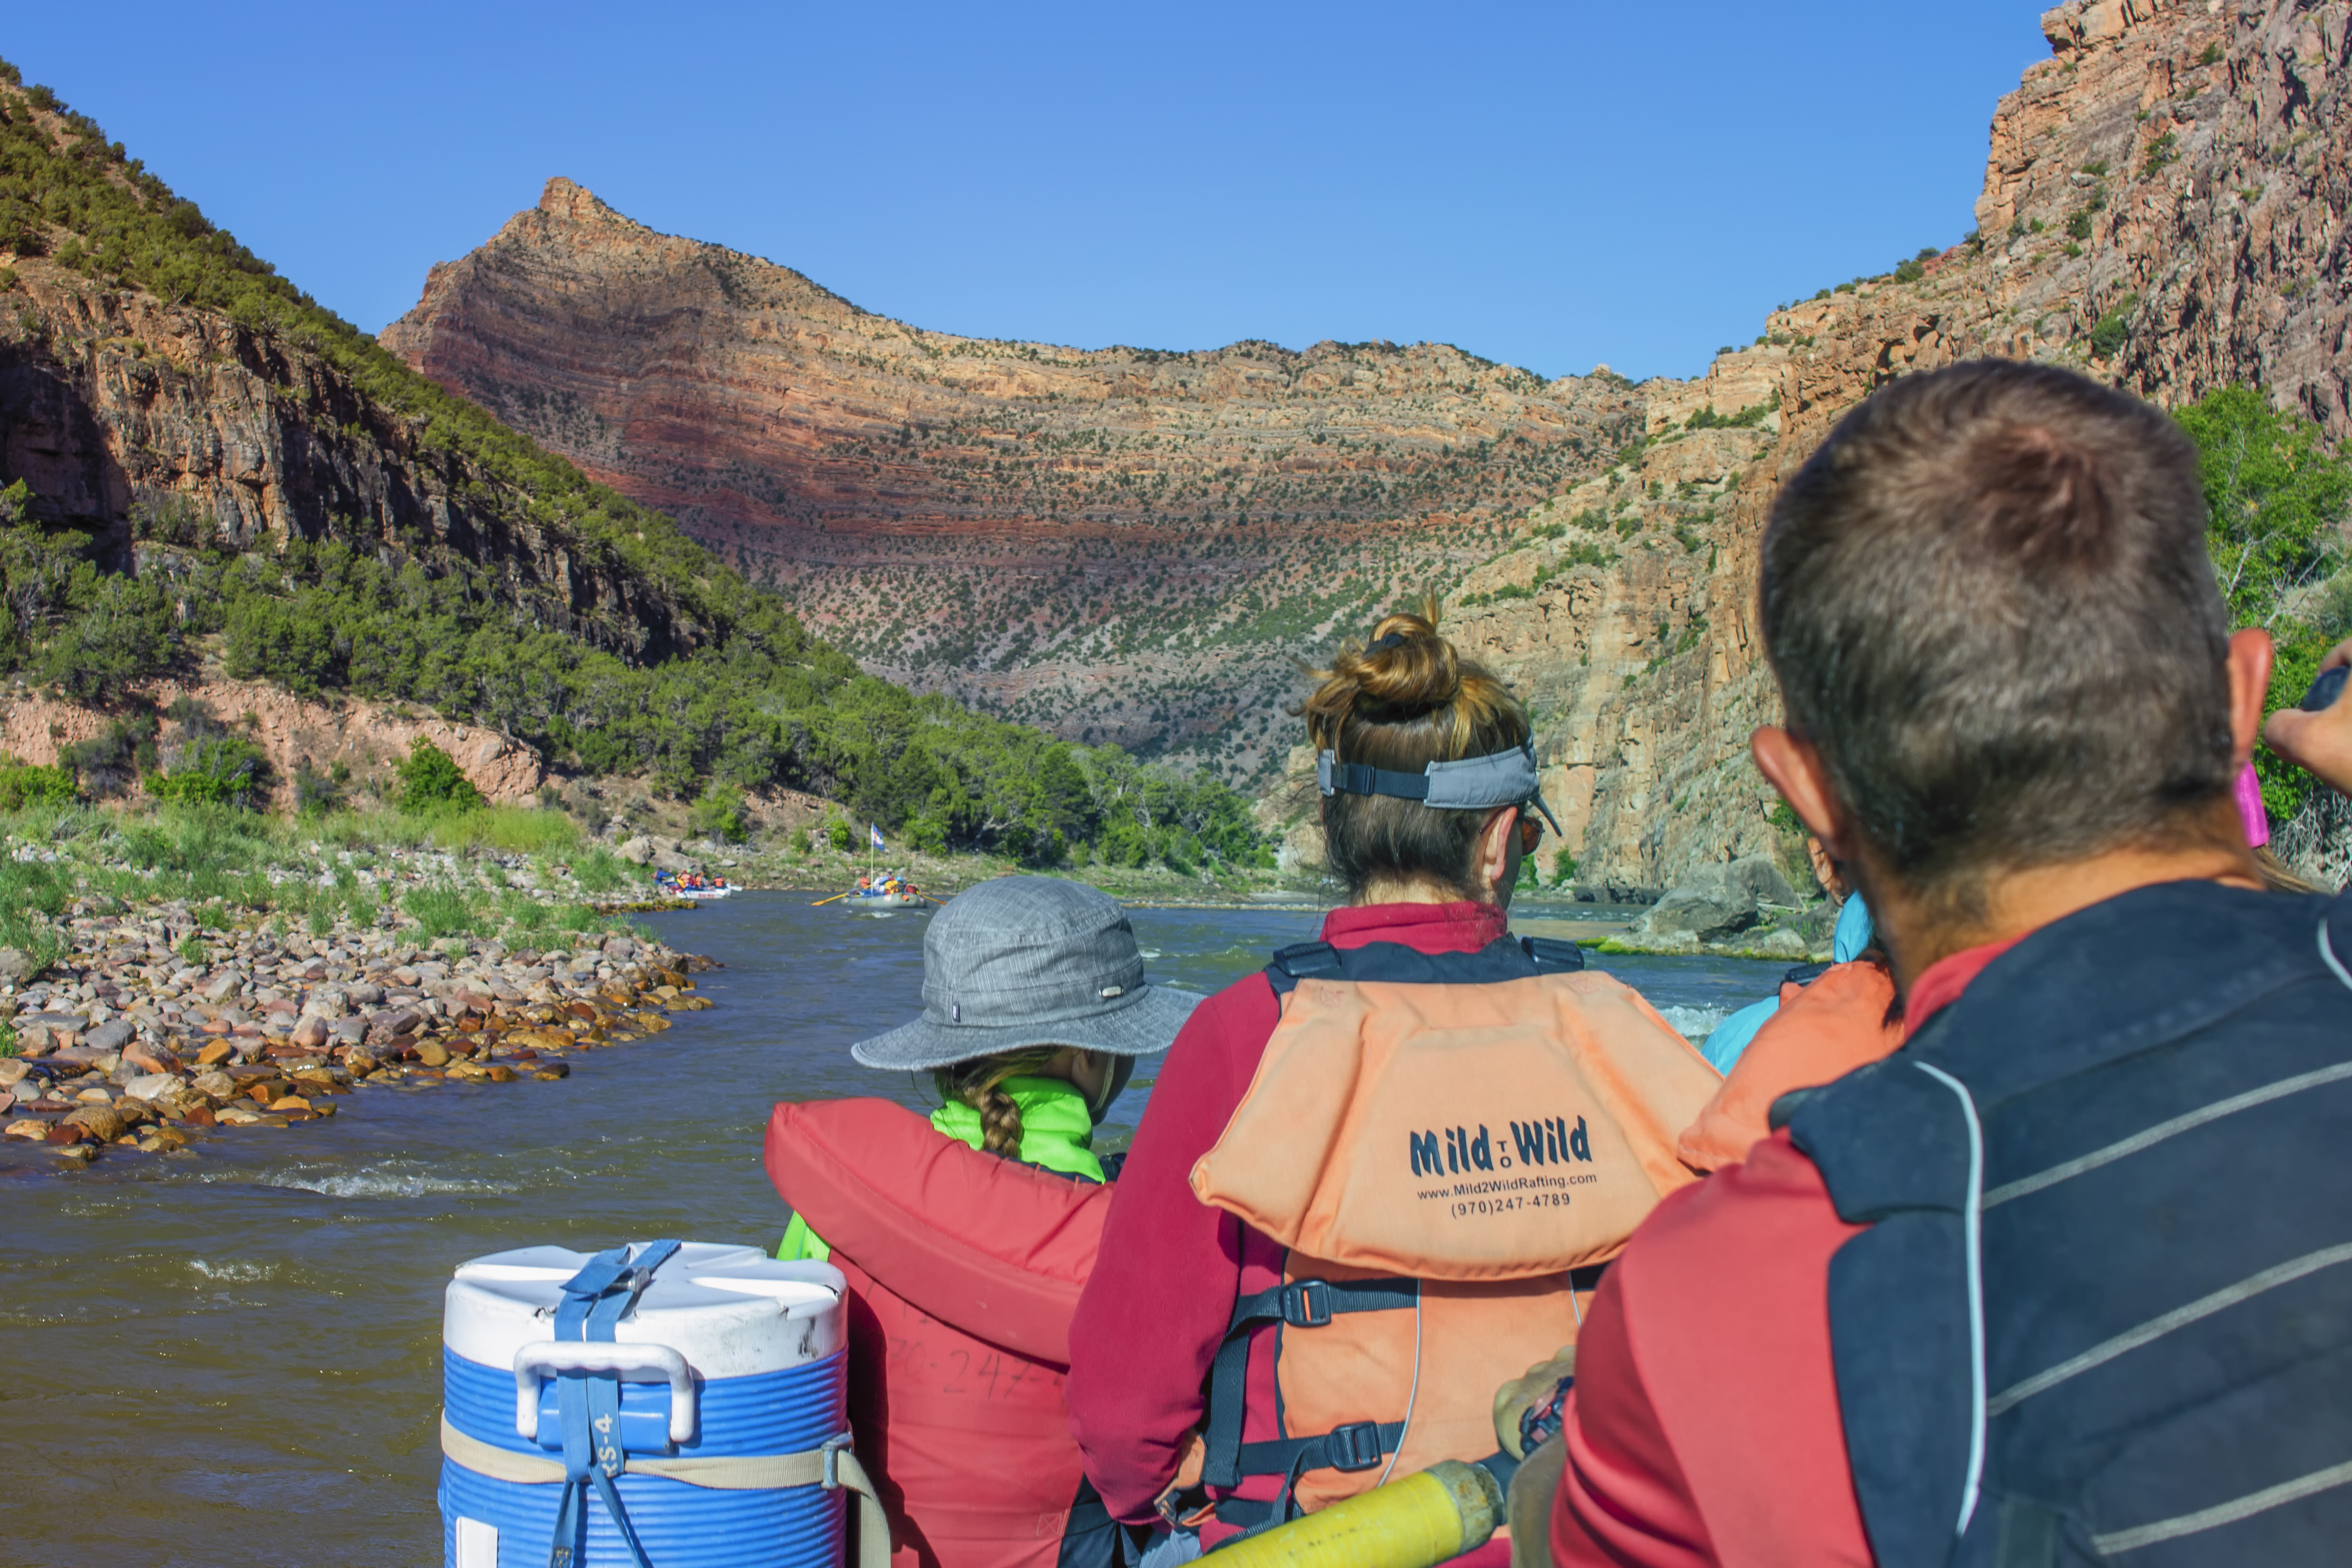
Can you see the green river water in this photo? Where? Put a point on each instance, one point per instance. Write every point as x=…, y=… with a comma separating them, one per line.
x=234, y=1358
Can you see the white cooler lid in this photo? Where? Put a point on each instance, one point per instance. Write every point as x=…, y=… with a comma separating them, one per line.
x=733, y=1312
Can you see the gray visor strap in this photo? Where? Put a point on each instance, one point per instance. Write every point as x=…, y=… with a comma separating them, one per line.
x=1472, y=784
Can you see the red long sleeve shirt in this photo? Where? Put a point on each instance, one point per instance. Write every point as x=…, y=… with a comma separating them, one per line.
x=1704, y=1427
x=1163, y=1290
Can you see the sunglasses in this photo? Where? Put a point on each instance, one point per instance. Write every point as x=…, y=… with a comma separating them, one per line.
x=1531, y=831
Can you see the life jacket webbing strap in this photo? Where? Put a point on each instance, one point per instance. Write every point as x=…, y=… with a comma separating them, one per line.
x=1302, y=1303
x=1358, y=1446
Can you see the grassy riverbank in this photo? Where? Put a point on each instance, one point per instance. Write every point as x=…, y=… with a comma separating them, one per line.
x=491, y=872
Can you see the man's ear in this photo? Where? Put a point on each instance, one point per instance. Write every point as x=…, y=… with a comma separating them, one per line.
x=1794, y=767
x=2249, y=669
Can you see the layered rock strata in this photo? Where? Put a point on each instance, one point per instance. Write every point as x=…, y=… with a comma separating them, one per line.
x=1120, y=544
x=159, y=428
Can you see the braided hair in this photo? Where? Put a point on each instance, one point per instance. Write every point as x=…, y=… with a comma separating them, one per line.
x=980, y=1084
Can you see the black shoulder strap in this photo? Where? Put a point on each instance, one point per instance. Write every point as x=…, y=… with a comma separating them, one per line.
x=1504, y=959
x=1301, y=1303
x=1804, y=974
x=1553, y=957
x=1301, y=961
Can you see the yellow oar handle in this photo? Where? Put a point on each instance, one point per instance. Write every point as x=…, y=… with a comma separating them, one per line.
x=821, y=902
x=1422, y=1520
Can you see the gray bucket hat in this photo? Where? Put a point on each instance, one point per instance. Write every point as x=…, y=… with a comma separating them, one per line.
x=1030, y=961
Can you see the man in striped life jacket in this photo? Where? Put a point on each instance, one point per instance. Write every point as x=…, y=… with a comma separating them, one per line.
x=2066, y=1279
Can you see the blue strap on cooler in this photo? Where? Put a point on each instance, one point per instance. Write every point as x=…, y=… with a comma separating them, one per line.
x=596, y=1299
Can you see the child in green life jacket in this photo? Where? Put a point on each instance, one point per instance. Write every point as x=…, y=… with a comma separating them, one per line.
x=1039, y=1106
x=965, y=1241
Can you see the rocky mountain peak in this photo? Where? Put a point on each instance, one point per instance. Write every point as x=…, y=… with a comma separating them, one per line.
x=575, y=202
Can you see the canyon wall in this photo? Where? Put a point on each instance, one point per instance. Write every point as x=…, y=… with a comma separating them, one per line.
x=2164, y=208
x=1132, y=545
x=1120, y=544
x=158, y=428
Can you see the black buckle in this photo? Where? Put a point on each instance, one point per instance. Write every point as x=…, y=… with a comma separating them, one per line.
x=1301, y=960
x=1559, y=955
x=1354, y=1446
x=1307, y=1303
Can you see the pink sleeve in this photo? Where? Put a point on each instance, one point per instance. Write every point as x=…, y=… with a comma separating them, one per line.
x=2249, y=792
x=1152, y=1313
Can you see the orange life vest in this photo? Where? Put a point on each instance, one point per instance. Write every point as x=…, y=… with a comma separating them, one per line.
x=1449, y=1145
x=1826, y=1028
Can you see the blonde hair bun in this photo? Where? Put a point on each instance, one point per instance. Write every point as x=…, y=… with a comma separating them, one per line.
x=1399, y=700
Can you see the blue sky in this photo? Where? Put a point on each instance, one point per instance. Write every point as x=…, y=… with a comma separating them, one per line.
x=1550, y=185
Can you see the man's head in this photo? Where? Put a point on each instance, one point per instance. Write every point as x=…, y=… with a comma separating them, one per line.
x=1988, y=602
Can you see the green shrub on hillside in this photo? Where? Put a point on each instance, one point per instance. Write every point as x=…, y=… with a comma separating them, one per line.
x=2276, y=500
x=718, y=814
x=2113, y=329
x=315, y=794
x=22, y=784
x=1753, y=415
x=431, y=781
x=210, y=770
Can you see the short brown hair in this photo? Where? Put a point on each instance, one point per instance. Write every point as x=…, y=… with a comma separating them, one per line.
x=1402, y=700
x=1988, y=600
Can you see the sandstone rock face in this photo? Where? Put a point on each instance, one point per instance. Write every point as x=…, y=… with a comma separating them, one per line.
x=115, y=405
x=1119, y=544
x=366, y=737
x=2204, y=151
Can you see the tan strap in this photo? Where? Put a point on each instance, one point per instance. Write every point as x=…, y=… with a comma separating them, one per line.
x=742, y=1472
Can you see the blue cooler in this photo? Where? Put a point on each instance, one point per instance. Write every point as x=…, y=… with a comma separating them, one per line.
x=663, y=1405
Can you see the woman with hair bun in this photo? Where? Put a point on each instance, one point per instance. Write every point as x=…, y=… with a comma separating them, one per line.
x=1379, y=1179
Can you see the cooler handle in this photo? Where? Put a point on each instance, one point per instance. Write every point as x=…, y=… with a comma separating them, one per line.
x=630, y=1363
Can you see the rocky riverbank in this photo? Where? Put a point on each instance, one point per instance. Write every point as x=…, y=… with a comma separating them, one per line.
x=131, y=1044
x=135, y=1012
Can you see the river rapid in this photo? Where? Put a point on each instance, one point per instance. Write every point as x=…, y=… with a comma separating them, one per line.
x=233, y=1357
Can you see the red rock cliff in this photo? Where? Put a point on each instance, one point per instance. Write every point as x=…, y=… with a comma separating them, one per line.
x=1120, y=544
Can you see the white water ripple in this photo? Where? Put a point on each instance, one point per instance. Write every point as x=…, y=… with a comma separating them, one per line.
x=1694, y=1023
x=378, y=1182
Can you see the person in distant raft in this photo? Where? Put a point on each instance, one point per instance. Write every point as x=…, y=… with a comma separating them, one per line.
x=1379, y=1179
x=965, y=1241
